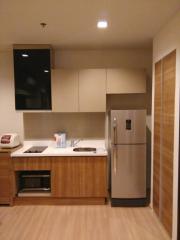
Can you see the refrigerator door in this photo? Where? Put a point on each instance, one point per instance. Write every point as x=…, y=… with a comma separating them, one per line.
x=128, y=126
x=128, y=171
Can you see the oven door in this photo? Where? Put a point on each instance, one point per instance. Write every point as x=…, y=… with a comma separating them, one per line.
x=34, y=181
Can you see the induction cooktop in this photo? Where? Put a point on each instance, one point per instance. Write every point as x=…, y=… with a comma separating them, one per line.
x=36, y=149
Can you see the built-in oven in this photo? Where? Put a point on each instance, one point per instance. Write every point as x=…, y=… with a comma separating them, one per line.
x=34, y=183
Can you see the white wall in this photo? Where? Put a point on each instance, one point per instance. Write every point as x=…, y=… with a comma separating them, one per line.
x=12, y=121
x=132, y=58
x=164, y=42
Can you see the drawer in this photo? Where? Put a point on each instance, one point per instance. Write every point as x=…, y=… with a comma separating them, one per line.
x=31, y=163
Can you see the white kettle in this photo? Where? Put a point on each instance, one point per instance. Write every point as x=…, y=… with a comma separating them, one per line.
x=60, y=139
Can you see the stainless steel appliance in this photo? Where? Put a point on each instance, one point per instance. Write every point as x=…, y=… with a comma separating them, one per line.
x=128, y=157
x=34, y=183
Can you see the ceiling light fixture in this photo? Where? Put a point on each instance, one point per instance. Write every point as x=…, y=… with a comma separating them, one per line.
x=102, y=24
x=43, y=24
x=46, y=71
x=25, y=55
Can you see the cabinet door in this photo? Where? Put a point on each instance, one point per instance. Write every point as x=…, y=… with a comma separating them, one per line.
x=65, y=90
x=5, y=179
x=79, y=177
x=92, y=90
x=126, y=81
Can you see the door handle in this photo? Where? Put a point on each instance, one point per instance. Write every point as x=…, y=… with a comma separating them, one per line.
x=115, y=159
x=115, y=130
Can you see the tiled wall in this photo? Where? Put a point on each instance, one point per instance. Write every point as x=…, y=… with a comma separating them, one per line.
x=76, y=125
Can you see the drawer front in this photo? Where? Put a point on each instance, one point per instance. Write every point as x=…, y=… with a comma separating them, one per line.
x=32, y=163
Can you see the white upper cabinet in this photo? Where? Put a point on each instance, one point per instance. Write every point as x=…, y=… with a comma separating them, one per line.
x=64, y=90
x=92, y=90
x=124, y=80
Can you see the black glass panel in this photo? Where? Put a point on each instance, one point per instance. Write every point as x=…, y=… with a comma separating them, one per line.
x=32, y=75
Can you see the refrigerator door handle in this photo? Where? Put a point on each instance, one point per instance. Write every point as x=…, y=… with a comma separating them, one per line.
x=115, y=159
x=115, y=130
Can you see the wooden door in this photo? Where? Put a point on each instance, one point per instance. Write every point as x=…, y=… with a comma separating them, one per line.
x=165, y=76
x=168, y=96
x=79, y=177
x=157, y=136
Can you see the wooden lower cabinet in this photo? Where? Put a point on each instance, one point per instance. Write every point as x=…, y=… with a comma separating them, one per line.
x=74, y=180
x=6, y=179
x=79, y=177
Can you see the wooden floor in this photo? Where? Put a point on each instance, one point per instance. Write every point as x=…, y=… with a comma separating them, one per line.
x=79, y=223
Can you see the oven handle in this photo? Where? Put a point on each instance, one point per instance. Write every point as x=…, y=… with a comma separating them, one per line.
x=36, y=176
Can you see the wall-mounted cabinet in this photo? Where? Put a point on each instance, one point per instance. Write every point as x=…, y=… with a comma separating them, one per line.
x=32, y=74
x=65, y=90
x=79, y=90
x=92, y=90
x=122, y=80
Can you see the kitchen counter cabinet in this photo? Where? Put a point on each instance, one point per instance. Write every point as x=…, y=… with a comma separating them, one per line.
x=79, y=177
x=65, y=90
x=122, y=81
x=6, y=179
x=92, y=90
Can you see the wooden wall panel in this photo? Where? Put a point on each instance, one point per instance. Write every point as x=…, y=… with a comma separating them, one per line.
x=157, y=137
x=168, y=91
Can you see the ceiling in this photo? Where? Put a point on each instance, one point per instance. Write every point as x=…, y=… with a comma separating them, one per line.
x=71, y=24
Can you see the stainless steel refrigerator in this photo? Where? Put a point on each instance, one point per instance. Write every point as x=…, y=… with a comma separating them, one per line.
x=128, y=157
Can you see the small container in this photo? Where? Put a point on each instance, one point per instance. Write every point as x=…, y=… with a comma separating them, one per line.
x=60, y=139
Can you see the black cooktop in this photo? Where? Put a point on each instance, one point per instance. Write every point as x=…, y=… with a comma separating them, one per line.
x=36, y=149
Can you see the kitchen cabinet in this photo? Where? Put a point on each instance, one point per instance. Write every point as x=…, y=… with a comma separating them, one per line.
x=79, y=177
x=122, y=80
x=164, y=102
x=92, y=90
x=64, y=90
x=32, y=75
x=6, y=179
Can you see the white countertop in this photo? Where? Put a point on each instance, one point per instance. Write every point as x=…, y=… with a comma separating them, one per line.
x=52, y=150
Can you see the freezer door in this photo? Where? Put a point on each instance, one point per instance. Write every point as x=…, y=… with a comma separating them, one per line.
x=128, y=171
x=128, y=126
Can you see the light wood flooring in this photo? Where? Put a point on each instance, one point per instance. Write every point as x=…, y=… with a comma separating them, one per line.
x=79, y=223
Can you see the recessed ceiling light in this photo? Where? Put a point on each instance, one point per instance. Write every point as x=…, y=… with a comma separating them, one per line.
x=46, y=71
x=102, y=24
x=25, y=55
